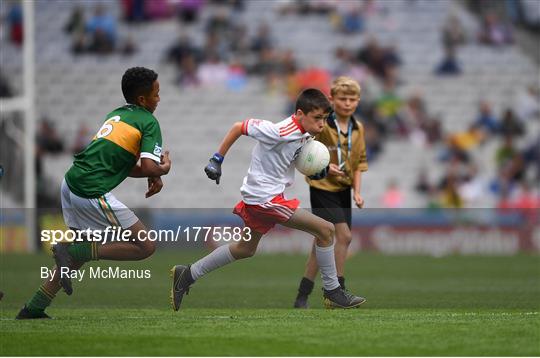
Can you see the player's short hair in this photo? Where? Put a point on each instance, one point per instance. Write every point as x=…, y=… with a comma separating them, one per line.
x=137, y=81
x=312, y=99
x=345, y=85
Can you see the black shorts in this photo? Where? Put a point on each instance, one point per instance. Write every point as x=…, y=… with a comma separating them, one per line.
x=334, y=207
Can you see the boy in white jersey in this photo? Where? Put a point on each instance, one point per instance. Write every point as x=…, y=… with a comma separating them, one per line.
x=263, y=205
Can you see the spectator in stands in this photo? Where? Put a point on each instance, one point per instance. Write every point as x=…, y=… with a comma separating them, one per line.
x=133, y=10
x=349, y=16
x=128, y=47
x=527, y=103
x=267, y=63
x=214, y=46
x=381, y=61
x=526, y=198
x=471, y=188
x=423, y=186
x=393, y=197
x=449, y=64
x=102, y=30
x=372, y=55
x=180, y=49
x=387, y=110
x=157, y=9
x=79, y=45
x=5, y=88
x=14, y=20
x=263, y=39
x=236, y=76
x=485, y=119
x=510, y=125
x=345, y=65
x=449, y=195
x=531, y=156
x=48, y=139
x=189, y=10
x=413, y=112
x=239, y=44
x=453, y=33
x=188, y=72
x=505, y=203
x=510, y=163
x=100, y=43
x=76, y=23
x=213, y=71
x=82, y=138
x=432, y=130
x=303, y=7
x=461, y=143
x=374, y=143
x=220, y=22
x=494, y=32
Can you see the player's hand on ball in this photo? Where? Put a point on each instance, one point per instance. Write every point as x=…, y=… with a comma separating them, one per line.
x=154, y=186
x=320, y=175
x=213, y=169
x=333, y=169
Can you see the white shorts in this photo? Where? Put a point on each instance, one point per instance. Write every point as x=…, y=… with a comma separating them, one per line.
x=95, y=214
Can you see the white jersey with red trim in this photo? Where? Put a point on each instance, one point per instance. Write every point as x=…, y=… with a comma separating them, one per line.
x=272, y=168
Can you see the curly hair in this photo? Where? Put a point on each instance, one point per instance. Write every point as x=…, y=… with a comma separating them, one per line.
x=137, y=81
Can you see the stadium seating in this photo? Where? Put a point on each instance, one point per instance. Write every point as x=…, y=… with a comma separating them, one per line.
x=72, y=90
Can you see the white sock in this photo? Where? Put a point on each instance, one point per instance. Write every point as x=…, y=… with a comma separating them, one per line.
x=327, y=265
x=217, y=258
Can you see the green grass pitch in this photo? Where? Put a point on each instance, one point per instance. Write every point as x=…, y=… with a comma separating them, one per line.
x=416, y=306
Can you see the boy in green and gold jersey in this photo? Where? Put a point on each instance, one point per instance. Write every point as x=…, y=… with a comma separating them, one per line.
x=129, y=133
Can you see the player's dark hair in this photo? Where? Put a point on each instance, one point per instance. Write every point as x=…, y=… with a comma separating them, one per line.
x=312, y=99
x=137, y=81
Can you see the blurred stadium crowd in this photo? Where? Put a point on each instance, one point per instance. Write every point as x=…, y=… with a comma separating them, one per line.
x=453, y=122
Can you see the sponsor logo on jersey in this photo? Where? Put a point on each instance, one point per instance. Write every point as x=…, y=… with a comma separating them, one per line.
x=157, y=150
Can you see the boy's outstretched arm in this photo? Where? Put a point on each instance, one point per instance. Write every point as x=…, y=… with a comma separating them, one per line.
x=213, y=169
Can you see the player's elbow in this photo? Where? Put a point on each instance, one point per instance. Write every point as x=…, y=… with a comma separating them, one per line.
x=237, y=127
x=150, y=168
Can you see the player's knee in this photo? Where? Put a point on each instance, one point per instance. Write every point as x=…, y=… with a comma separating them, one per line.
x=243, y=251
x=344, y=238
x=329, y=230
x=326, y=234
x=147, y=249
x=248, y=252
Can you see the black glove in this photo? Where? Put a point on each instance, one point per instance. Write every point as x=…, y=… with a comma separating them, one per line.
x=213, y=169
x=320, y=175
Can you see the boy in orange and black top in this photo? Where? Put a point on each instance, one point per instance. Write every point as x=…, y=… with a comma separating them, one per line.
x=331, y=197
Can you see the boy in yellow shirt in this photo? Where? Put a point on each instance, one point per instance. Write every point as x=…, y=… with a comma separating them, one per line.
x=331, y=197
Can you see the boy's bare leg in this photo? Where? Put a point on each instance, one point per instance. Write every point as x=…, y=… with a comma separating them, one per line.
x=185, y=276
x=334, y=296
x=35, y=308
x=324, y=240
x=343, y=240
x=311, y=265
x=138, y=249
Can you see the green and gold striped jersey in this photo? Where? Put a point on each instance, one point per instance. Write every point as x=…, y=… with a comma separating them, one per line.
x=128, y=133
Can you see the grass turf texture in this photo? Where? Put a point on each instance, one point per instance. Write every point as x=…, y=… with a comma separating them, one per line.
x=416, y=306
